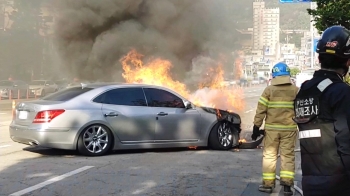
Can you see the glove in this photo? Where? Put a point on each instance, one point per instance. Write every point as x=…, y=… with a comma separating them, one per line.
x=262, y=132
x=256, y=132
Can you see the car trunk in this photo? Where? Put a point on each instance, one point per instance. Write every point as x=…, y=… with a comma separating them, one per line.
x=26, y=111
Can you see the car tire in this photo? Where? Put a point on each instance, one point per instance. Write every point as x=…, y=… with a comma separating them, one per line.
x=94, y=135
x=221, y=137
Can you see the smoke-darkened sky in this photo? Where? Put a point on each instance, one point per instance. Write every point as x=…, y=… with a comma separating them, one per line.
x=92, y=35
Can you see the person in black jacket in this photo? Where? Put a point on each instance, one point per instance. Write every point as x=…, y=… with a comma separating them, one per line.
x=322, y=112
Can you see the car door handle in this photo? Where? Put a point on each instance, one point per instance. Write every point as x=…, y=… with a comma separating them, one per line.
x=162, y=114
x=112, y=114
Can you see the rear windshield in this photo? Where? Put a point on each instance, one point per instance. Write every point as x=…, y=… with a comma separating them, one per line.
x=66, y=94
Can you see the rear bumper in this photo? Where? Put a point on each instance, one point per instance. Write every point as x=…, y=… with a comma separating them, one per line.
x=57, y=138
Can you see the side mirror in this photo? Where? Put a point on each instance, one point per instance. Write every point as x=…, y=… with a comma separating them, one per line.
x=15, y=85
x=188, y=104
x=47, y=84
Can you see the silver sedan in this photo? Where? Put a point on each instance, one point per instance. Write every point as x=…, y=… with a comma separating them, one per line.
x=97, y=118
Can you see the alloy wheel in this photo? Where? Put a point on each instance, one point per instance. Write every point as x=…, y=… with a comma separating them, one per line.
x=95, y=139
x=225, y=135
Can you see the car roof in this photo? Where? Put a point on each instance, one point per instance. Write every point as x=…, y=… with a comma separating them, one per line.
x=113, y=84
x=121, y=85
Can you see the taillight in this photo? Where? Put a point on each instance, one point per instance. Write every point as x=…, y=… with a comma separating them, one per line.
x=47, y=116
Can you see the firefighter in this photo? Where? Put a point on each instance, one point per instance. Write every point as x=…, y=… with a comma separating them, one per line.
x=276, y=107
x=322, y=112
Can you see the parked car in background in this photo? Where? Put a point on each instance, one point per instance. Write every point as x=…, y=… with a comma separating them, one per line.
x=255, y=82
x=96, y=118
x=61, y=84
x=13, y=89
x=42, y=87
x=243, y=82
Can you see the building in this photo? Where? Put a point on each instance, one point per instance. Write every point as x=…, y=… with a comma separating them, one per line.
x=245, y=39
x=266, y=28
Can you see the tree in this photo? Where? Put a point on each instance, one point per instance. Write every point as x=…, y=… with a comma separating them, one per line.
x=294, y=71
x=330, y=12
x=21, y=44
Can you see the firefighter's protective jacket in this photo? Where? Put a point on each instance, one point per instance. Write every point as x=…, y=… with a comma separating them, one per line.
x=276, y=105
x=324, y=134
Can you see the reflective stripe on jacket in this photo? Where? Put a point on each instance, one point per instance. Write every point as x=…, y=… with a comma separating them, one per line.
x=276, y=105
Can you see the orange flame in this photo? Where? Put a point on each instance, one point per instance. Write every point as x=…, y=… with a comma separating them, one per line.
x=242, y=140
x=156, y=71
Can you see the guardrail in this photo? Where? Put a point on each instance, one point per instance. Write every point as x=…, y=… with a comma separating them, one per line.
x=10, y=98
x=10, y=94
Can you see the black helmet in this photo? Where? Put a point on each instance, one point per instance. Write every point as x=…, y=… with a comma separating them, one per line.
x=335, y=40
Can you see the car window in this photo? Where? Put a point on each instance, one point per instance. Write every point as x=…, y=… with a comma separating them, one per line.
x=123, y=96
x=162, y=98
x=66, y=94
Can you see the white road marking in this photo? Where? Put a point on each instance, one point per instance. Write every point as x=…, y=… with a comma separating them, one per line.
x=5, y=146
x=248, y=111
x=53, y=180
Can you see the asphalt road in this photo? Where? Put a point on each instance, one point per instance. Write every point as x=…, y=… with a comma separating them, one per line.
x=35, y=171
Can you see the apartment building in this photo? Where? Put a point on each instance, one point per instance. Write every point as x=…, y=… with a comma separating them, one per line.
x=266, y=28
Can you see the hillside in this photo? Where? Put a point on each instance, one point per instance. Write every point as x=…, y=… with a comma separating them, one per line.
x=293, y=16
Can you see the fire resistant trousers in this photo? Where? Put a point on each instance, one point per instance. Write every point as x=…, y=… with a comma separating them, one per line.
x=285, y=142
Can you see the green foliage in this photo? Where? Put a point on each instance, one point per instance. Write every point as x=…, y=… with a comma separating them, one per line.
x=331, y=12
x=21, y=45
x=294, y=71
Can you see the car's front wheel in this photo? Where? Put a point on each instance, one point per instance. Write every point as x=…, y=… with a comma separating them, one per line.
x=221, y=136
x=95, y=140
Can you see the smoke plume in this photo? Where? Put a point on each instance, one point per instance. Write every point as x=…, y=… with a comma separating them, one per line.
x=92, y=35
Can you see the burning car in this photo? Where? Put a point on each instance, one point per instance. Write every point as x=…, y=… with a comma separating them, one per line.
x=97, y=118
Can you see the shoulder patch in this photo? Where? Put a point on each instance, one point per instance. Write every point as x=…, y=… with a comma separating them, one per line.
x=324, y=84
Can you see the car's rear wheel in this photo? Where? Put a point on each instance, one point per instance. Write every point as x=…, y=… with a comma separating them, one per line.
x=221, y=136
x=95, y=140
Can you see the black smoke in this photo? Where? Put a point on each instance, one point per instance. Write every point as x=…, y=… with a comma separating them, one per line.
x=92, y=35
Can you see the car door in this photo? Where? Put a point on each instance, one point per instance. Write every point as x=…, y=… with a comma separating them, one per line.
x=126, y=111
x=174, y=123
